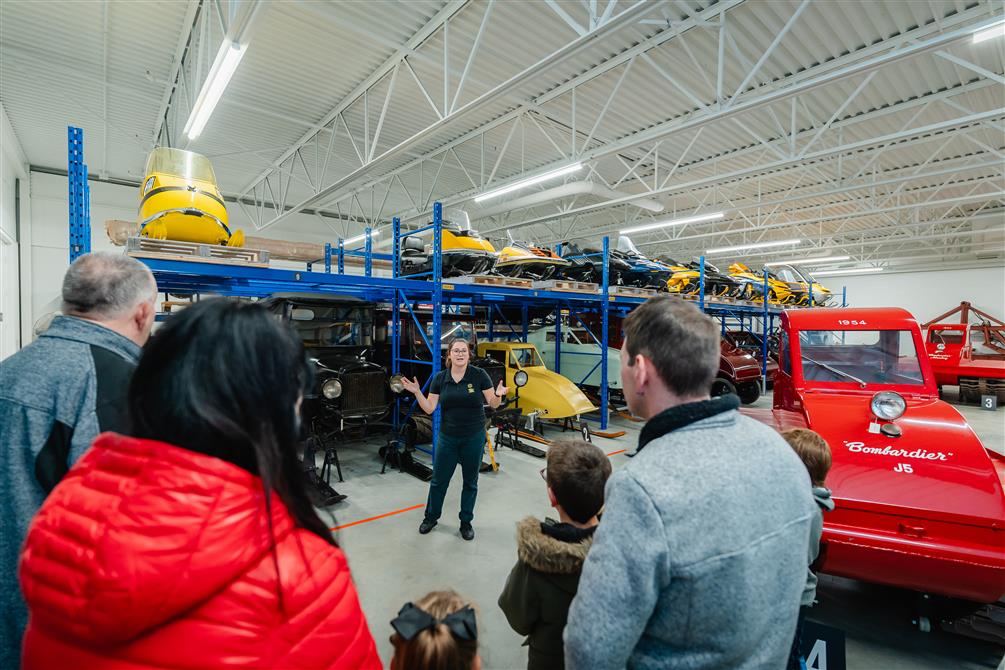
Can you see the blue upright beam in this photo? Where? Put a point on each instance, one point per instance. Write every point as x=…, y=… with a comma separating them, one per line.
x=79, y=194
x=437, y=279
x=605, y=305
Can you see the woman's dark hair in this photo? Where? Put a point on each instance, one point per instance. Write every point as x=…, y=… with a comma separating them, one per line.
x=223, y=378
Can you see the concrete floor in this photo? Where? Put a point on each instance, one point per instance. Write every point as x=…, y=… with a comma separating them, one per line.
x=392, y=563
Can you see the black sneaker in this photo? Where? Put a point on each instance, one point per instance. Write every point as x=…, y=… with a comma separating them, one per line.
x=467, y=532
x=426, y=526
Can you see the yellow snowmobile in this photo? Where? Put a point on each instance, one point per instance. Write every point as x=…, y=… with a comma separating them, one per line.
x=520, y=259
x=548, y=393
x=801, y=283
x=752, y=286
x=179, y=200
x=464, y=252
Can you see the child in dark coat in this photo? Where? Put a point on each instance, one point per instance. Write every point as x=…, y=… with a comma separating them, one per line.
x=815, y=454
x=550, y=554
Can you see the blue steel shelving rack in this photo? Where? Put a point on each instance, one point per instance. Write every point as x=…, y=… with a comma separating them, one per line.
x=174, y=276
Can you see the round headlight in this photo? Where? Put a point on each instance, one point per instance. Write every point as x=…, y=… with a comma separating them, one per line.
x=888, y=405
x=332, y=389
x=520, y=378
x=395, y=384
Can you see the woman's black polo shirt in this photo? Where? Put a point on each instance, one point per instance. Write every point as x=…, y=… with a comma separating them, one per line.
x=462, y=402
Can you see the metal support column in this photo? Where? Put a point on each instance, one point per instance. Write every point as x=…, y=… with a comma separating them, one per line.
x=79, y=194
x=765, y=316
x=701, y=283
x=605, y=306
x=558, y=339
x=368, y=259
x=328, y=257
x=341, y=256
x=396, y=317
x=437, y=280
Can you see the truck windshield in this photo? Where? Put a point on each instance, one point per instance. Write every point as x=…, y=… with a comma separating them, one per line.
x=860, y=356
x=320, y=326
x=526, y=358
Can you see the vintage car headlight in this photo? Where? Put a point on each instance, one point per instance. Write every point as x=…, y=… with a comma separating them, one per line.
x=520, y=378
x=888, y=405
x=331, y=389
x=395, y=384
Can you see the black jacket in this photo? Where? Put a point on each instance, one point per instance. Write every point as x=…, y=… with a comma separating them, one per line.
x=541, y=586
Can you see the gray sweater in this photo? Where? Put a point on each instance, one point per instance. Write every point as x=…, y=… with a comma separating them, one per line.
x=56, y=395
x=700, y=559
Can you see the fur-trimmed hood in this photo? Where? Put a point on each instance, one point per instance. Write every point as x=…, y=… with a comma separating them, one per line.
x=547, y=554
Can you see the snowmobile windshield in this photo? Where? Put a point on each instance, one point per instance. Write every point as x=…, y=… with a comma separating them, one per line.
x=626, y=245
x=860, y=356
x=180, y=163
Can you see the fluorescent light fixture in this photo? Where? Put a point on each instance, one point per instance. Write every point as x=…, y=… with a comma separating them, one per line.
x=759, y=245
x=673, y=222
x=997, y=30
x=849, y=271
x=523, y=183
x=804, y=261
x=360, y=238
x=227, y=59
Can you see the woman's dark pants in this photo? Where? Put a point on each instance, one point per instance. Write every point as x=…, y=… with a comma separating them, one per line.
x=451, y=450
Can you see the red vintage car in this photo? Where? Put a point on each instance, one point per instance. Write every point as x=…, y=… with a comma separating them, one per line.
x=919, y=500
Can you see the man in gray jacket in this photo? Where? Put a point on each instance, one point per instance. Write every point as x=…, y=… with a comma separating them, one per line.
x=700, y=557
x=57, y=394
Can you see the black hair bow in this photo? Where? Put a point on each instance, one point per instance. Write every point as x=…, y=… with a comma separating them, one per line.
x=412, y=620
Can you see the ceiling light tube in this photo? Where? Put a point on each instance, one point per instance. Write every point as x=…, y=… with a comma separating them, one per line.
x=523, y=183
x=360, y=238
x=759, y=245
x=804, y=261
x=673, y=222
x=849, y=271
x=997, y=30
x=227, y=59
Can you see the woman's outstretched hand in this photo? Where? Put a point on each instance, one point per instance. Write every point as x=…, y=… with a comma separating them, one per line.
x=411, y=385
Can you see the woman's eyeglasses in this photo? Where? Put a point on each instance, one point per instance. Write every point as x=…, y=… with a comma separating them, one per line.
x=458, y=351
x=544, y=473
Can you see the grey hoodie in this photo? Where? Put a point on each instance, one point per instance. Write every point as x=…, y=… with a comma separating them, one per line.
x=822, y=496
x=56, y=395
x=700, y=559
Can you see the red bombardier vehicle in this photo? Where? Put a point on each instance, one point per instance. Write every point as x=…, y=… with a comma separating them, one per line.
x=971, y=356
x=919, y=500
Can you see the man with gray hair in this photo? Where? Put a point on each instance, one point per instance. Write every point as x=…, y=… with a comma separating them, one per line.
x=57, y=394
x=699, y=560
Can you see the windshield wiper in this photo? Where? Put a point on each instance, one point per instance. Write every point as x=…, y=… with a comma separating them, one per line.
x=861, y=383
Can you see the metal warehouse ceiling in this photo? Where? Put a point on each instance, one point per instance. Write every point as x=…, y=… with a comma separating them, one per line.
x=869, y=129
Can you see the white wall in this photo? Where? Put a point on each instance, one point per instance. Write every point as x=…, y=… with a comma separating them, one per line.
x=13, y=173
x=925, y=294
x=50, y=246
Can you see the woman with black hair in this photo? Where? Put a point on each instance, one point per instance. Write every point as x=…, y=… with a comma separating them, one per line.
x=192, y=542
x=460, y=390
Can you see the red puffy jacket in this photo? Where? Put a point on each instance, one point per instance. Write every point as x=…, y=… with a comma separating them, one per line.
x=147, y=555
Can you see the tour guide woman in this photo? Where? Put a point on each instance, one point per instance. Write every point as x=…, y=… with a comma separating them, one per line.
x=459, y=390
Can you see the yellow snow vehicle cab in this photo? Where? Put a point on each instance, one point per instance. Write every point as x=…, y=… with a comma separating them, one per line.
x=548, y=393
x=179, y=200
x=752, y=286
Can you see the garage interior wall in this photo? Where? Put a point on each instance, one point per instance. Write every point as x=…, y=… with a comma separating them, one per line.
x=13, y=178
x=50, y=233
x=926, y=294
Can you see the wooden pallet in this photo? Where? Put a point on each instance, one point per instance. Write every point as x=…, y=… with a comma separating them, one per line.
x=491, y=280
x=567, y=285
x=173, y=250
x=632, y=292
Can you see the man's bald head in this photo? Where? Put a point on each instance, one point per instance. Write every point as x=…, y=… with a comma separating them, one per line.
x=104, y=285
x=114, y=290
